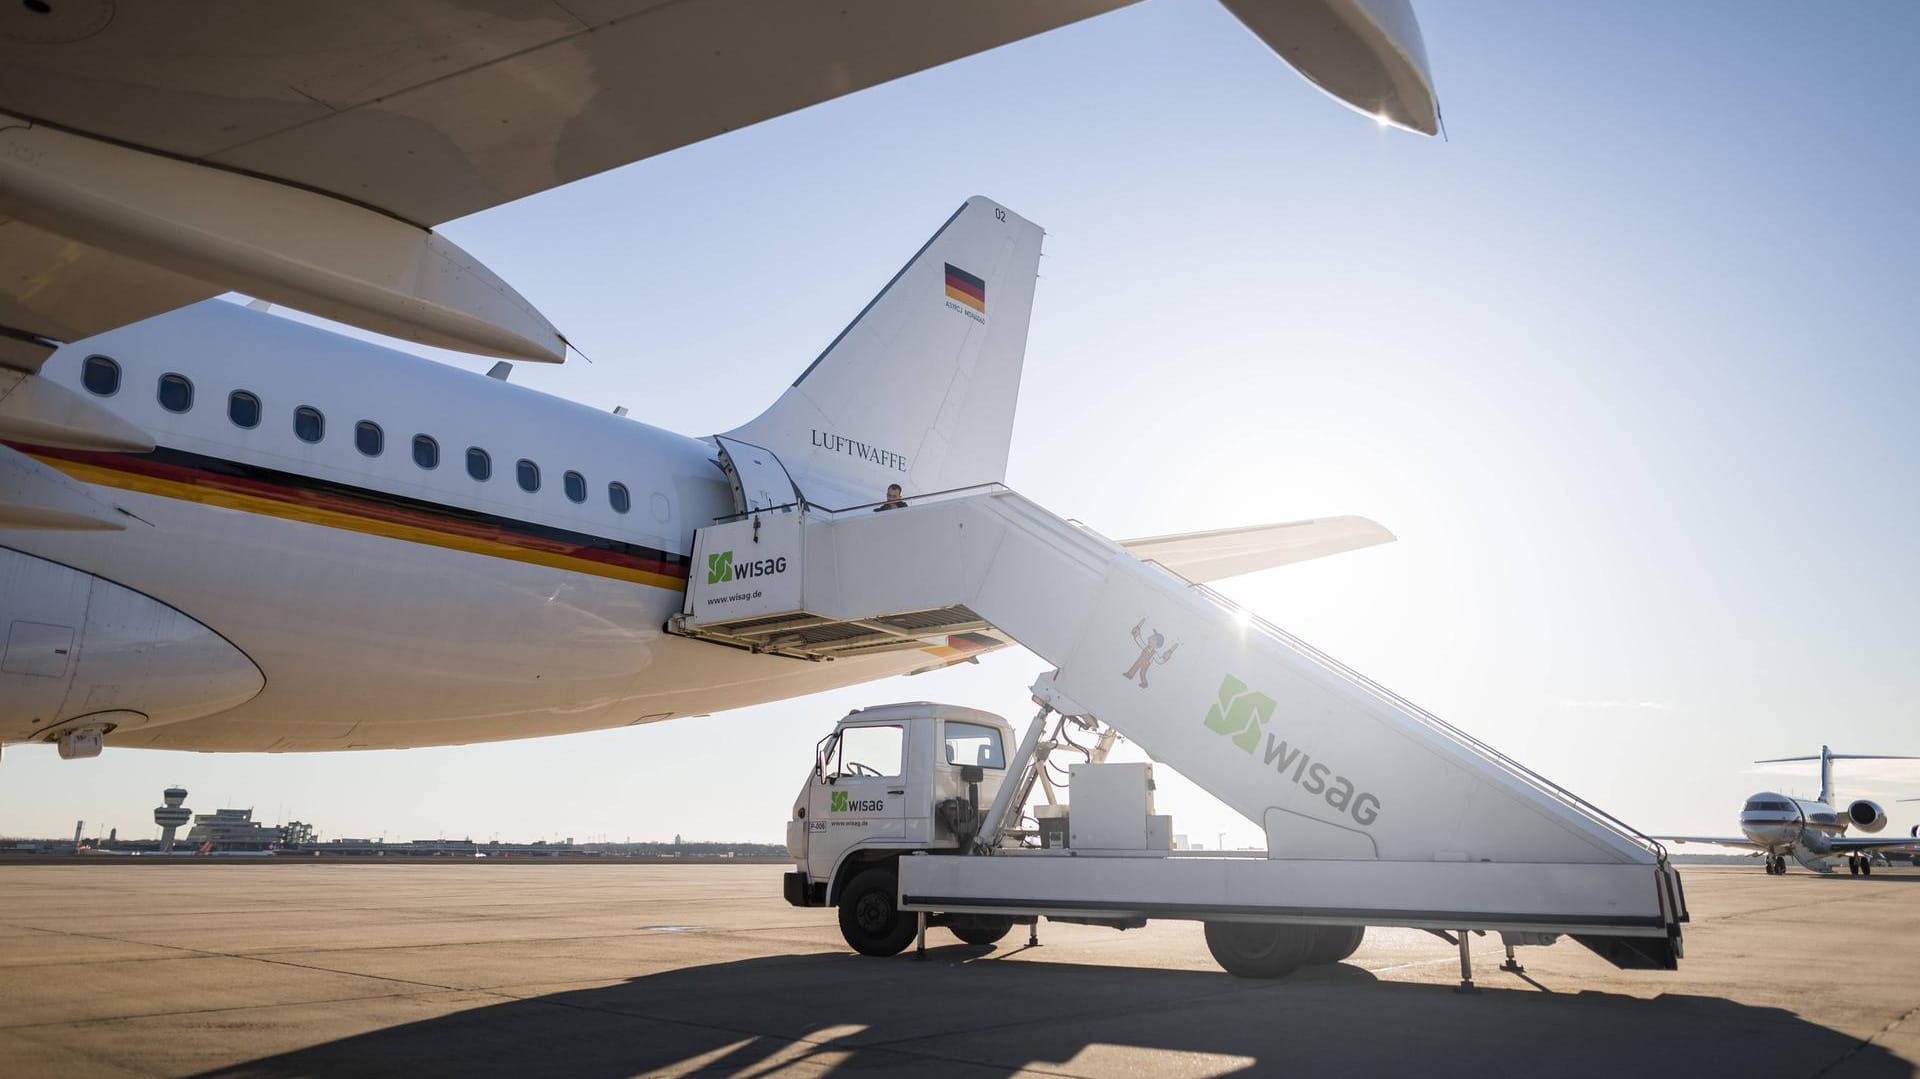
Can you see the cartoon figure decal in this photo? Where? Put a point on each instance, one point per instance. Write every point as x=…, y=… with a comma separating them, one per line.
x=1150, y=653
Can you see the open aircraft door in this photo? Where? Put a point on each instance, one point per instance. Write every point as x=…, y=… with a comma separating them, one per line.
x=760, y=481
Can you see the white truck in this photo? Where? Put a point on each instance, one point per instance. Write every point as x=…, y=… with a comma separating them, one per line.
x=901, y=826
x=1376, y=812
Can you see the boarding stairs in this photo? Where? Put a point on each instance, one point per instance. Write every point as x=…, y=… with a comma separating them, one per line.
x=1400, y=817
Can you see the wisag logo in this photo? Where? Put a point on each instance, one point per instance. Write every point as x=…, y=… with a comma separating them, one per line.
x=720, y=568
x=1241, y=715
x=838, y=802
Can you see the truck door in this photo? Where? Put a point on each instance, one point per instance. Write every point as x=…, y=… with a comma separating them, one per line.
x=860, y=790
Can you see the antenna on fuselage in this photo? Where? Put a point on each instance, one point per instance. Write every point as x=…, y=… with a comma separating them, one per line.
x=500, y=371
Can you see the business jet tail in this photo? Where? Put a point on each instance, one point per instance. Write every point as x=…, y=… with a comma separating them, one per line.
x=920, y=388
x=1826, y=757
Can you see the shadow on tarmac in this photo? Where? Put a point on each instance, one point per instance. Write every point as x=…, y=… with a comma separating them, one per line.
x=965, y=1012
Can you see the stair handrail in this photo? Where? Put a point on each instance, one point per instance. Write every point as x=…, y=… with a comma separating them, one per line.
x=829, y=511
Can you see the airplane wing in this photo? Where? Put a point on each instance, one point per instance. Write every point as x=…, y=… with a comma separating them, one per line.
x=1229, y=552
x=1876, y=843
x=155, y=154
x=1724, y=841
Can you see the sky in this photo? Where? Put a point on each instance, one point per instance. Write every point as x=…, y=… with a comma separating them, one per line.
x=1628, y=362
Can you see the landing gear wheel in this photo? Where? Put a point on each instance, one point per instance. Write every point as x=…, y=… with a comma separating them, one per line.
x=1866, y=868
x=982, y=928
x=869, y=921
x=1332, y=943
x=1853, y=867
x=1258, y=950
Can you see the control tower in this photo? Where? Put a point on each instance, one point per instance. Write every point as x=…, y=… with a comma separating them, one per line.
x=172, y=815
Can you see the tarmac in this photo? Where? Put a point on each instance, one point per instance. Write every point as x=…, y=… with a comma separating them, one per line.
x=273, y=969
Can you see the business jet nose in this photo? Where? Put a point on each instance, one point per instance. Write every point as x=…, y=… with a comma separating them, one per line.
x=1770, y=819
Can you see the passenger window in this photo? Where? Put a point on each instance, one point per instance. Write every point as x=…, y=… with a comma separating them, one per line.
x=426, y=452
x=479, y=465
x=101, y=376
x=618, y=498
x=576, y=486
x=971, y=743
x=368, y=438
x=176, y=393
x=528, y=474
x=308, y=424
x=243, y=409
x=870, y=751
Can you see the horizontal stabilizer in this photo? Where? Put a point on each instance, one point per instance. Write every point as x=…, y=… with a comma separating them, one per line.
x=1230, y=552
x=1841, y=757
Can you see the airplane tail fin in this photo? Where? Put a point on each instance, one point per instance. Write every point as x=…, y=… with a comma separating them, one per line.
x=1826, y=757
x=920, y=388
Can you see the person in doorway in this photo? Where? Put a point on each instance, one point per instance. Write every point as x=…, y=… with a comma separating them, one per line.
x=896, y=499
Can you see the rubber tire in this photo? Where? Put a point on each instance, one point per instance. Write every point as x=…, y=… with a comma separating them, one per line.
x=869, y=921
x=982, y=928
x=1866, y=868
x=1258, y=949
x=1332, y=943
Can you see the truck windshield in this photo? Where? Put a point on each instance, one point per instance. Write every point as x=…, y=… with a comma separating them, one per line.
x=870, y=751
x=971, y=743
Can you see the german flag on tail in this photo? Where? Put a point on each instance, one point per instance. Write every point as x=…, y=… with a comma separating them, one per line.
x=963, y=287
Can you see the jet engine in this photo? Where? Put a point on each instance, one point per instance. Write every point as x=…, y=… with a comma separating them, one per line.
x=1867, y=816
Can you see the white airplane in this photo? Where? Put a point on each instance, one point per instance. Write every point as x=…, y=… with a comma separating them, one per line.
x=224, y=530
x=1778, y=825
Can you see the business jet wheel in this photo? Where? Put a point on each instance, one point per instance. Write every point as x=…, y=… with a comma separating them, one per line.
x=1332, y=943
x=1853, y=867
x=1866, y=868
x=982, y=928
x=1258, y=950
x=869, y=921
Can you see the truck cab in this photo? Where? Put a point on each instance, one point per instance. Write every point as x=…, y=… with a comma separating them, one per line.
x=889, y=780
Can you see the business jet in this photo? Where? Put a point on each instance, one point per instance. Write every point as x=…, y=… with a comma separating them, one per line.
x=1812, y=832
x=224, y=530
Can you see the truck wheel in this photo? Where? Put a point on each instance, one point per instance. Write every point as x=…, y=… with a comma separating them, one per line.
x=1257, y=949
x=982, y=928
x=1332, y=943
x=868, y=919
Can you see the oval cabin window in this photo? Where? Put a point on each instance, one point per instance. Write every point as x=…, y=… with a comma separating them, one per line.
x=368, y=438
x=243, y=409
x=618, y=498
x=176, y=392
x=426, y=452
x=308, y=424
x=101, y=376
x=576, y=486
x=479, y=465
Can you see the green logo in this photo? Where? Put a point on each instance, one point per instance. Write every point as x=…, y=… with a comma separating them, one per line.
x=720, y=567
x=1239, y=713
x=838, y=802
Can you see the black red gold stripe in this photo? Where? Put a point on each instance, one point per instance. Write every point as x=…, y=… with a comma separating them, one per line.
x=966, y=288
x=232, y=485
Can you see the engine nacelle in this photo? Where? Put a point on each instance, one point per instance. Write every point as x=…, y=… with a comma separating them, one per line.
x=1867, y=816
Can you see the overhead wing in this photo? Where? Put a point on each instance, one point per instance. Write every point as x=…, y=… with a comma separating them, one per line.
x=302, y=152
x=1724, y=841
x=1229, y=552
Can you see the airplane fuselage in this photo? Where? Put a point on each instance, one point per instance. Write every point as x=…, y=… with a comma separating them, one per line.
x=1795, y=827
x=409, y=553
